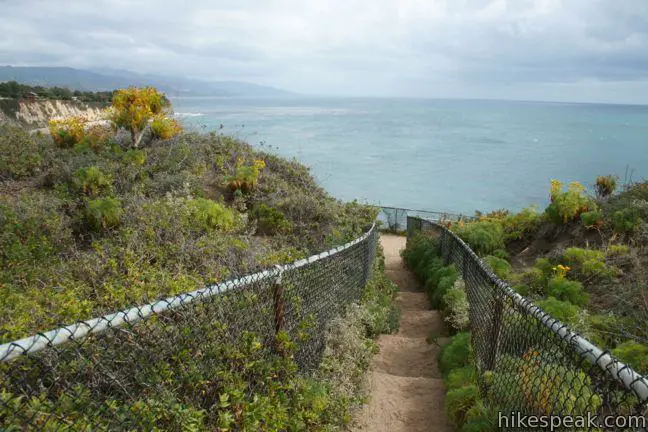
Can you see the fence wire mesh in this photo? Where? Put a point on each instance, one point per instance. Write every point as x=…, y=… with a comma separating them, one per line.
x=395, y=219
x=529, y=362
x=97, y=375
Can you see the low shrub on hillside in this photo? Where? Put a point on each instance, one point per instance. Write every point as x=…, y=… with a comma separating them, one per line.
x=92, y=181
x=567, y=290
x=269, y=220
x=500, y=266
x=207, y=215
x=484, y=237
x=457, y=306
x=567, y=206
x=21, y=156
x=633, y=353
x=456, y=354
x=246, y=175
x=592, y=219
x=68, y=132
x=165, y=127
x=104, y=213
x=605, y=186
x=588, y=263
x=563, y=311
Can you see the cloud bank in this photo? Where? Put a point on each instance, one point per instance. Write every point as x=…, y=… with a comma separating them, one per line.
x=590, y=50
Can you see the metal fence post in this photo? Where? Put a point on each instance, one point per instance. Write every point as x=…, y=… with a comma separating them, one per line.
x=279, y=305
x=494, y=336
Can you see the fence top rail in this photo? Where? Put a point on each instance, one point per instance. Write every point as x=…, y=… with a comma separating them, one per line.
x=444, y=215
x=583, y=347
x=80, y=330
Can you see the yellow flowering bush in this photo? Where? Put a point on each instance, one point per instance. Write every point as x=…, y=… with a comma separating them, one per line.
x=567, y=206
x=165, y=127
x=68, y=131
x=245, y=176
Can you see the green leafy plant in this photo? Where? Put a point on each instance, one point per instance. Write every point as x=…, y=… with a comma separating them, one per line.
x=561, y=310
x=500, y=266
x=588, y=263
x=269, y=220
x=592, y=219
x=456, y=354
x=135, y=157
x=92, y=181
x=103, y=213
x=165, y=127
x=567, y=206
x=567, y=290
x=207, y=215
x=246, y=176
x=457, y=306
x=484, y=237
x=633, y=353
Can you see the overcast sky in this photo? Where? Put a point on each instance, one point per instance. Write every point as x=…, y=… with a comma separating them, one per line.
x=570, y=50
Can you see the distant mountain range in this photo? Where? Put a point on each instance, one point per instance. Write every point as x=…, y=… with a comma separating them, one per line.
x=95, y=80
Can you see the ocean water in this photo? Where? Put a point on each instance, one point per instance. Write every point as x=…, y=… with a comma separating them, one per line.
x=441, y=155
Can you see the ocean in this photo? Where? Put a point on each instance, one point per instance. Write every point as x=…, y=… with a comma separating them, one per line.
x=440, y=155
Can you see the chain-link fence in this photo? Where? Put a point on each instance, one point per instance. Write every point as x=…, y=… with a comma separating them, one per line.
x=171, y=355
x=395, y=219
x=529, y=362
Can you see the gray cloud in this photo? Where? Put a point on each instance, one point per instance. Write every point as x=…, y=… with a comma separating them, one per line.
x=578, y=49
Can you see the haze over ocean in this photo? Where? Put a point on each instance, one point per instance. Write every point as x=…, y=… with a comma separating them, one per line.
x=444, y=155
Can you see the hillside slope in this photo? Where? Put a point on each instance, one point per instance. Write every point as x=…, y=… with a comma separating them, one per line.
x=85, y=232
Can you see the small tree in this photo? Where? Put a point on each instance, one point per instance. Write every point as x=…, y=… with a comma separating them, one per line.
x=133, y=108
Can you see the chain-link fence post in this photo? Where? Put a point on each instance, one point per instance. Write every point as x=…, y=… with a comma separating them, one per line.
x=498, y=306
x=279, y=306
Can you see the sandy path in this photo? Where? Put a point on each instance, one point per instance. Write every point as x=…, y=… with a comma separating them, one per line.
x=407, y=391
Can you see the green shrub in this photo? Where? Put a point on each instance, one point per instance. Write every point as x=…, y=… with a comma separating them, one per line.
x=500, y=253
x=456, y=354
x=103, y=213
x=627, y=220
x=207, y=215
x=457, y=306
x=459, y=401
x=484, y=237
x=634, y=354
x=500, y=267
x=480, y=418
x=564, y=289
x=605, y=186
x=419, y=249
x=567, y=206
x=561, y=310
x=20, y=155
x=135, y=157
x=592, y=219
x=461, y=377
x=92, y=181
x=588, y=263
x=519, y=225
x=439, y=283
x=617, y=250
x=269, y=220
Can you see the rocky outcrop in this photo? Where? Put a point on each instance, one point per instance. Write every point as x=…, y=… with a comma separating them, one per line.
x=34, y=114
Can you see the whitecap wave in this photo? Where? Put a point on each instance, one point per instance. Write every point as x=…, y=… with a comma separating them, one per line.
x=188, y=114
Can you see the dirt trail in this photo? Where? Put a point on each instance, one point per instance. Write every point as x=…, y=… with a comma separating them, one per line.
x=407, y=391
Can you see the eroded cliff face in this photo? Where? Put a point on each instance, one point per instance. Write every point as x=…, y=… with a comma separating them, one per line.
x=34, y=114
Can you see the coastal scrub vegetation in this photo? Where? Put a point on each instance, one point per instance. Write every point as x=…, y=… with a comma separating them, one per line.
x=87, y=230
x=582, y=260
x=90, y=226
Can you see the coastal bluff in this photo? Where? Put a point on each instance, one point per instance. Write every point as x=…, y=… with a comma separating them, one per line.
x=35, y=114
